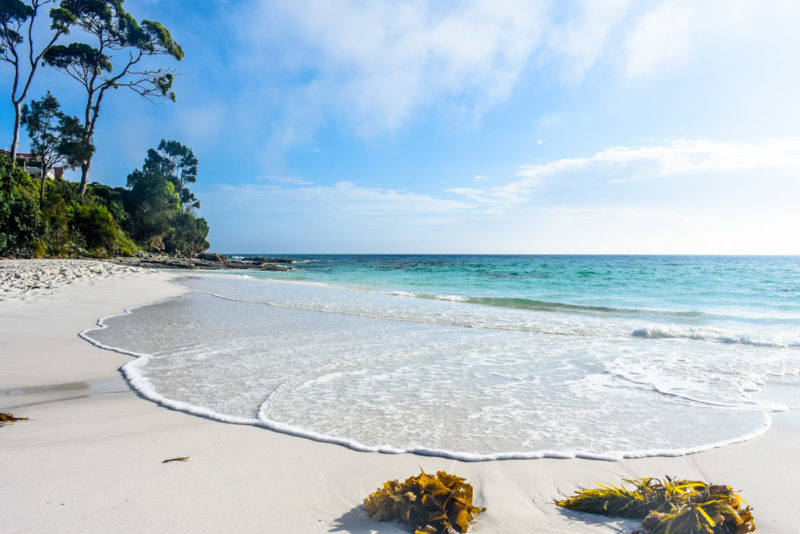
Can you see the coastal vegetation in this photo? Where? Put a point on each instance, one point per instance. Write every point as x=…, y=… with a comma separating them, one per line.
x=685, y=506
x=431, y=505
x=154, y=213
x=50, y=216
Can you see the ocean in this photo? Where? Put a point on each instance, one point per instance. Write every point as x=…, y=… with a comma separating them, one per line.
x=479, y=357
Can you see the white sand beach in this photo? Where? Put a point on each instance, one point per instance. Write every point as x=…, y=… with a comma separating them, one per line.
x=89, y=458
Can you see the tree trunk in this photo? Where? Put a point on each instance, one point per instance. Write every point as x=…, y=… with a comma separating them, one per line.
x=41, y=193
x=15, y=138
x=85, y=175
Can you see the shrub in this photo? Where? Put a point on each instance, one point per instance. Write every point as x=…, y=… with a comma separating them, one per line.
x=56, y=222
x=20, y=224
x=96, y=225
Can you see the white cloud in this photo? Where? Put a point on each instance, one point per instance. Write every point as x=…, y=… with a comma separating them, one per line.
x=677, y=32
x=283, y=179
x=702, y=197
x=580, y=40
x=380, y=62
x=660, y=37
x=376, y=67
x=620, y=164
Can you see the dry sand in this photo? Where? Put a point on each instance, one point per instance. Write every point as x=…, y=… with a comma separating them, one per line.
x=89, y=459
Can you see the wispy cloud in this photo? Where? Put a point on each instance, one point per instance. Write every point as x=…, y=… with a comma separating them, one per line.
x=377, y=63
x=283, y=179
x=376, y=67
x=626, y=164
x=701, y=196
x=340, y=200
x=581, y=38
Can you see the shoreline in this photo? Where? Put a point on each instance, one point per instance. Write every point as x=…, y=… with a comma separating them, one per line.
x=97, y=448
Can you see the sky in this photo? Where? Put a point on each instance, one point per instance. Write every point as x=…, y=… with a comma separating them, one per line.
x=499, y=126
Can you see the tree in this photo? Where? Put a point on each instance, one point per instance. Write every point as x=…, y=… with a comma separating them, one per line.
x=157, y=215
x=55, y=137
x=181, y=166
x=20, y=225
x=152, y=201
x=16, y=20
x=113, y=30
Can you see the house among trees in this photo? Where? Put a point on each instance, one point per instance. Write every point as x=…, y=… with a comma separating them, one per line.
x=33, y=166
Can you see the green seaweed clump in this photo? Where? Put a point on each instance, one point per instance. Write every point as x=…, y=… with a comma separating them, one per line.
x=669, y=506
x=431, y=505
x=8, y=418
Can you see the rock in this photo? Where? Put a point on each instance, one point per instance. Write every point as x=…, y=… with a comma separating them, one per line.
x=262, y=259
x=213, y=257
x=202, y=261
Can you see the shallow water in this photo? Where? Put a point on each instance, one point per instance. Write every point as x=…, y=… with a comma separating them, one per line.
x=482, y=357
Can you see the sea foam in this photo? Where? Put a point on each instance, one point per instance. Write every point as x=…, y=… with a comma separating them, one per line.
x=390, y=373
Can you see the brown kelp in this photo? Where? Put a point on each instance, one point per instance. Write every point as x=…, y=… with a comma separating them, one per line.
x=668, y=506
x=176, y=459
x=431, y=505
x=8, y=418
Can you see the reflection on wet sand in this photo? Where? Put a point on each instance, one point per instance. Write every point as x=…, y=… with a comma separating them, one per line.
x=49, y=393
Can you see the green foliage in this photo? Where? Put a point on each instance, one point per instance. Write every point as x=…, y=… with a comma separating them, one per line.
x=57, y=231
x=61, y=19
x=78, y=55
x=676, y=506
x=55, y=137
x=113, y=198
x=117, y=58
x=160, y=37
x=158, y=218
x=20, y=223
x=187, y=235
x=124, y=246
x=73, y=144
x=17, y=20
x=108, y=221
x=41, y=118
x=95, y=223
x=179, y=163
x=431, y=505
x=13, y=14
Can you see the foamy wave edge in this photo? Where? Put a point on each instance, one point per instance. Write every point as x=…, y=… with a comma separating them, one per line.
x=712, y=335
x=132, y=374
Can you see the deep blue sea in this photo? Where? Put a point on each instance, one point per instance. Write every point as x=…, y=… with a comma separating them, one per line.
x=481, y=357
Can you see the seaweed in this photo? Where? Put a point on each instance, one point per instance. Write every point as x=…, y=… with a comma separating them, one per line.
x=431, y=505
x=668, y=506
x=176, y=459
x=8, y=418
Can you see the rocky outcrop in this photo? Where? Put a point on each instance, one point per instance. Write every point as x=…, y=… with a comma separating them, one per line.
x=207, y=261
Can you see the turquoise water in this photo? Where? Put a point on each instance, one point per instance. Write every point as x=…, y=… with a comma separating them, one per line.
x=482, y=357
x=717, y=285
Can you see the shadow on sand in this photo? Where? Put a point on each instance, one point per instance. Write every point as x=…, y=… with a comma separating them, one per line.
x=356, y=521
x=613, y=524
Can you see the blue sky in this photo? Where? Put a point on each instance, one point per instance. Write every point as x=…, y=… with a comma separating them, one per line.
x=616, y=126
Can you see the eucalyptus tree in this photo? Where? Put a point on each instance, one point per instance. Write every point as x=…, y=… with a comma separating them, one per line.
x=17, y=48
x=114, y=60
x=55, y=136
x=181, y=167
